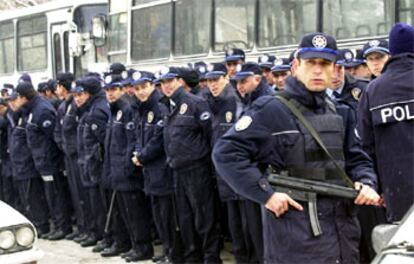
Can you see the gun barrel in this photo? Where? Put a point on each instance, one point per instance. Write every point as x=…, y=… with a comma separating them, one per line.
x=322, y=188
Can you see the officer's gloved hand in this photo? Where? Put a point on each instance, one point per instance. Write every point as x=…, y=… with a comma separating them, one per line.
x=279, y=203
x=366, y=195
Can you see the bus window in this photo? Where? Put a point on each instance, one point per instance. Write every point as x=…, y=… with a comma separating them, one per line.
x=284, y=22
x=6, y=48
x=66, y=50
x=57, y=53
x=358, y=18
x=118, y=34
x=192, y=27
x=83, y=16
x=31, y=51
x=234, y=24
x=151, y=32
x=406, y=11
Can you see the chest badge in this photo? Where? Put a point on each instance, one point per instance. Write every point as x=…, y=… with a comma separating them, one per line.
x=29, y=119
x=356, y=93
x=243, y=123
x=69, y=108
x=183, y=108
x=20, y=122
x=150, y=117
x=118, y=115
x=229, y=116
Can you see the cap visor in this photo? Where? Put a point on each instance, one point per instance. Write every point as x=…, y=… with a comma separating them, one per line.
x=376, y=49
x=318, y=54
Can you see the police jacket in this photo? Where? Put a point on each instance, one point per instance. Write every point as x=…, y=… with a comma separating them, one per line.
x=91, y=136
x=352, y=90
x=60, y=113
x=20, y=155
x=386, y=126
x=119, y=172
x=150, y=146
x=258, y=139
x=187, y=130
x=5, y=164
x=226, y=108
x=69, y=126
x=41, y=120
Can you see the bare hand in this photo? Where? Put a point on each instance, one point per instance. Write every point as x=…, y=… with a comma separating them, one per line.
x=366, y=195
x=135, y=160
x=279, y=203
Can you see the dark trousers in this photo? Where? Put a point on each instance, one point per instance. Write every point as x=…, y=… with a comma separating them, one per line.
x=57, y=197
x=197, y=214
x=97, y=216
x=162, y=211
x=78, y=192
x=135, y=212
x=9, y=192
x=241, y=251
x=32, y=196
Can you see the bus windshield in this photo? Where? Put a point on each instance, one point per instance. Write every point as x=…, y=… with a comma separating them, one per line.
x=83, y=16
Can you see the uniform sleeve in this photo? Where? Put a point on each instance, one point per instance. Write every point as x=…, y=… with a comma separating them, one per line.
x=250, y=143
x=99, y=122
x=364, y=126
x=358, y=164
x=204, y=117
x=155, y=146
x=47, y=122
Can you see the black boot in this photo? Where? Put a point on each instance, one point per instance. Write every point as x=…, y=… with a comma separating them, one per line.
x=114, y=250
x=90, y=241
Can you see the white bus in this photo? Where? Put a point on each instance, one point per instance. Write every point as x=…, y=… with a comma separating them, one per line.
x=149, y=33
x=49, y=38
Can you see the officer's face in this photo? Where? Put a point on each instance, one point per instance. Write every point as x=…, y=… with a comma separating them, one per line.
x=232, y=67
x=168, y=87
x=20, y=101
x=61, y=92
x=362, y=71
x=113, y=94
x=267, y=74
x=279, y=78
x=314, y=73
x=338, y=77
x=248, y=85
x=81, y=98
x=203, y=84
x=375, y=62
x=130, y=90
x=143, y=91
x=12, y=105
x=216, y=86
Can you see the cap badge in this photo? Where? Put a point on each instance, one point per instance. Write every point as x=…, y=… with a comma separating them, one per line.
x=374, y=43
x=124, y=75
x=278, y=61
x=136, y=76
x=108, y=79
x=319, y=41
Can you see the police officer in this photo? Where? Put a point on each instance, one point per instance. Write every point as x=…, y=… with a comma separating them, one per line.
x=150, y=155
x=344, y=86
x=280, y=72
x=47, y=90
x=226, y=108
x=127, y=84
x=258, y=139
x=266, y=62
x=41, y=119
x=376, y=54
x=232, y=58
x=65, y=138
x=187, y=133
x=27, y=178
x=190, y=80
x=93, y=113
x=201, y=69
x=358, y=67
x=7, y=90
x=250, y=82
x=386, y=123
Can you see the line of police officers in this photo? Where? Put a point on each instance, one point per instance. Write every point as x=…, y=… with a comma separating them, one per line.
x=116, y=155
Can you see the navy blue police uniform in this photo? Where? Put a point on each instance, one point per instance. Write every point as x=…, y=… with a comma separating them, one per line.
x=27, y=178
x=226, y=108
x=386, y=123
x=187, y=135
x=258, y=140
x=41, y=118
x=149, y=148
x=94, y=116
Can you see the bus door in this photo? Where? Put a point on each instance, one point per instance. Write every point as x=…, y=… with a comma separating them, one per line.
x=60, y=48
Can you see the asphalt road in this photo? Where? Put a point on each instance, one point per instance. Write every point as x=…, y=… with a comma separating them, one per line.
x=69, y=252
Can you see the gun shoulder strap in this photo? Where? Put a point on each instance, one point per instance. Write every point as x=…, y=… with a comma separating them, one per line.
x=295, y=111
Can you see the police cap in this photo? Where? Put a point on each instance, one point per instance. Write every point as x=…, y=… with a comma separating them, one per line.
x=317, y=45
x=376, y=45
x=247, y=69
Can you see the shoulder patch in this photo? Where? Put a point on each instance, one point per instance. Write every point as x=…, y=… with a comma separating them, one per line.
x=160, y=123
x=130, y=126
x=94, y=126
x=46, y=123
x=243, y=123
x=205, y=116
